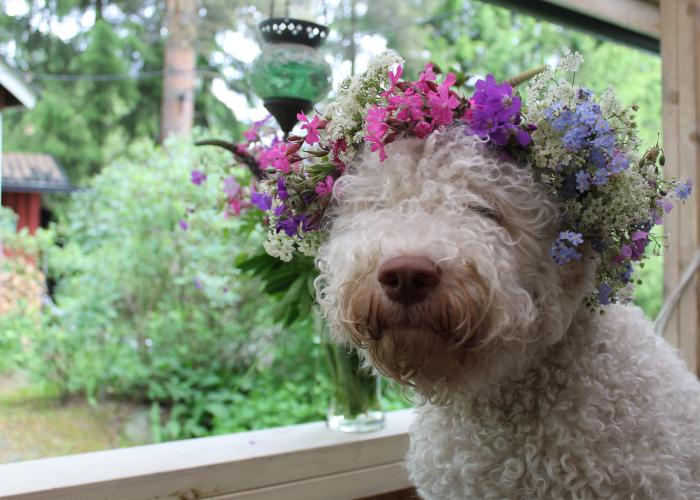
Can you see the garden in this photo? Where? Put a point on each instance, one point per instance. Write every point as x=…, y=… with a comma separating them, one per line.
x=146, y=310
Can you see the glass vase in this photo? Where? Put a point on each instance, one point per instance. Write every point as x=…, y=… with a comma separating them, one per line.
x=355, y=404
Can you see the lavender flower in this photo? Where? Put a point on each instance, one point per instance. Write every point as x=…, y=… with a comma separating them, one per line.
x=564, y=248
x=197, y=177
x=604, y=293
x=261, y=200
x=684, y=190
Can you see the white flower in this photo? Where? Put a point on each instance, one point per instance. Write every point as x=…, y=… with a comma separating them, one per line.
x=570, y=62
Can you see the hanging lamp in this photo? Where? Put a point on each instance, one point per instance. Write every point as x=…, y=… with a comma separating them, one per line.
x=290, y=74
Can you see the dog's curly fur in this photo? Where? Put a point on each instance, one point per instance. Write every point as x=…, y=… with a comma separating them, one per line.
x=525, y=392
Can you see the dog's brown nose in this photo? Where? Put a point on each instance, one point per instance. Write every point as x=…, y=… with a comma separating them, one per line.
x=408, y=279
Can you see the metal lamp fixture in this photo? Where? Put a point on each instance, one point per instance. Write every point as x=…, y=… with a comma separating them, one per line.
x=290, y=74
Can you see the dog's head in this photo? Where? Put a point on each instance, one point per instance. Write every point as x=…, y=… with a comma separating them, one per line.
x=438, y=269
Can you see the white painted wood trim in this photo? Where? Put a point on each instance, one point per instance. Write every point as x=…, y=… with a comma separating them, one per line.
x=297, y=462
x=14, y=85
x=636, y=15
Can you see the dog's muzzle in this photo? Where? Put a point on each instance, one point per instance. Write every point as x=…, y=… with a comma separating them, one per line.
x=408, y=279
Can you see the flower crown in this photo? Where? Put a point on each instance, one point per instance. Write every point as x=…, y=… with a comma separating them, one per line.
x=582, y=148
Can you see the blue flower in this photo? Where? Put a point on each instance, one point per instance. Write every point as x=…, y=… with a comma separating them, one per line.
x=684, y=189
x=588, y=113
x=583, y=181
x=605, y=141
x=601, y=177
x=565, y=120
x=604, y=292
x=571, y=236
x=575, y=138
x=597, y=158
x=627, y=271
x=619, y=163
x=564, y=249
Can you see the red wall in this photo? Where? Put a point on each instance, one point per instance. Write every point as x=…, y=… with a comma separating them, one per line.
x=27, y=206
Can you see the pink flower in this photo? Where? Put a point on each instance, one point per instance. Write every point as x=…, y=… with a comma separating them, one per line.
x=234, y=206
x=375, y=121
x=251, y=134
x=325, y=187
x=441, y=105
x=422, y=129
x=275, y=156
x=427, y=75
x=377, y=145
x=231, y=188
x=242, y=149
x=411, y=105
x=394, y=79
x=311, y=127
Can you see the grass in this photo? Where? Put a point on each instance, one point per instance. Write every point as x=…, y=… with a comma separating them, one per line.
x=34, y=423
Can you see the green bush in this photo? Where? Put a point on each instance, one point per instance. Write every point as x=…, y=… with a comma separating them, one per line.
x=146, y=309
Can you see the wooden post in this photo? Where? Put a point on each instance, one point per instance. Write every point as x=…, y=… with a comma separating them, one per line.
x=177, y=110
x=2, y=107
x=680, y=39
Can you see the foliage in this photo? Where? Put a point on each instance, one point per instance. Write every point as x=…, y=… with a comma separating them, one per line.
x=129, y=320
x=146, y=309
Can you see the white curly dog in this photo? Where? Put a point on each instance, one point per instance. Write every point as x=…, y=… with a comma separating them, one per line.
x=438, y=270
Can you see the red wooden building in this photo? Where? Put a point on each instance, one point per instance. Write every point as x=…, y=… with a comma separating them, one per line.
x=25, y=178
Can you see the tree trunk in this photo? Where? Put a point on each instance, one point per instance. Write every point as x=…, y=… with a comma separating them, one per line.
x=177, y=111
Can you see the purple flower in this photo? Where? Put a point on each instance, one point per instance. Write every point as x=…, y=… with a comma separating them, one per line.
x=572, y=237
x=619, y=163
x=601, y=177
x=588, y=113
x=575, y=138
x=583, y=181
x=261, y=200
x=604, y=293
x=522, y=137
x=564, y=249
x=605, y=141
x=565, y=120
x=597, y=158
x=197, y=177
x=292, y=224
x=684, y=190
x=183, y=225
x=197, y=284
x=664, y=205
x=282, y=193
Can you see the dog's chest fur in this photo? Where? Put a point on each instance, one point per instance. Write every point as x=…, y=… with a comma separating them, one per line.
x=610, y=412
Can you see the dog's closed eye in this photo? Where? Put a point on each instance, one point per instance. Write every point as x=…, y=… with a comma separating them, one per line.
x=486, y=212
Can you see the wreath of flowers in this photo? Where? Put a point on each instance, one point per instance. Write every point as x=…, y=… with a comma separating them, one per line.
x=582, y=148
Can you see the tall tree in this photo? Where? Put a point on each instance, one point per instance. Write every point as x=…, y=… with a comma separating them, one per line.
x=177, y=109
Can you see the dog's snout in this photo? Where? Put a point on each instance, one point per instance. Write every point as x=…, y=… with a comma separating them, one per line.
x=408, y=279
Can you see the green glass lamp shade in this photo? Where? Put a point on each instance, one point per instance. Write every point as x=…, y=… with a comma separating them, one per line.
x=290, y=74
